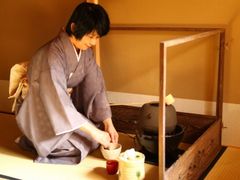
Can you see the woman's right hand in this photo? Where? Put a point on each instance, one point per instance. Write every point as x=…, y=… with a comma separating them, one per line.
x=102, y=137
x=98, y=135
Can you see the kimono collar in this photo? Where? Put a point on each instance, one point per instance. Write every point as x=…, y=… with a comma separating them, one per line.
x=69, y=51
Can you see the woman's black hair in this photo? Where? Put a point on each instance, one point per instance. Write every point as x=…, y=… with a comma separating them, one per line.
x=88, y=17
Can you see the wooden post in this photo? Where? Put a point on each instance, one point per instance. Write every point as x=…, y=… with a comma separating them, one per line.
x=97, y=47
x=93, y=1
x=161, y=123
x=220, y=76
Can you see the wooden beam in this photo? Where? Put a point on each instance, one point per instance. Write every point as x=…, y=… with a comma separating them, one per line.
x=161, y=27
x=185, y=39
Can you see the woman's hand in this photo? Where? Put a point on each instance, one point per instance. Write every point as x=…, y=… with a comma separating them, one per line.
x=109, y=127
x=102, y=137
x=98, y=135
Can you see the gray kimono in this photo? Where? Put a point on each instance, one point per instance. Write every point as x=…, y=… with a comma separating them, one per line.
x=49, y=118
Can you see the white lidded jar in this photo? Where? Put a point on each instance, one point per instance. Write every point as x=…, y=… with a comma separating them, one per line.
x=131, y=168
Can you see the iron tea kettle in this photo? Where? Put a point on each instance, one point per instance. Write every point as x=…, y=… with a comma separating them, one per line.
x=149, y=116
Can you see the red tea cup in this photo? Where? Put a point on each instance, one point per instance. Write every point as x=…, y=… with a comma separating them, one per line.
x=112, y=166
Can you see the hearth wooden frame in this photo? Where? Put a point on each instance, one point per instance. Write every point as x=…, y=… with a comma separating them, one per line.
x=199, y=155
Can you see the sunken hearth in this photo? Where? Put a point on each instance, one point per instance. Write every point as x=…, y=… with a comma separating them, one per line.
x=125, y=119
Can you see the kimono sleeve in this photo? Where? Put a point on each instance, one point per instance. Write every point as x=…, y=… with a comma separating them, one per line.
x=58, y=106
x=94, y=99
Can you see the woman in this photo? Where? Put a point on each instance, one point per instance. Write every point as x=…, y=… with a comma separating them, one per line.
x=59, y=130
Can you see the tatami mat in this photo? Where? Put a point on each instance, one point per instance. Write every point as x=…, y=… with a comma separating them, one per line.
x=227, y=167
x=17, y=163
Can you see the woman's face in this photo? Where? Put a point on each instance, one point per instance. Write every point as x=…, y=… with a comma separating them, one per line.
x=87, y=41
